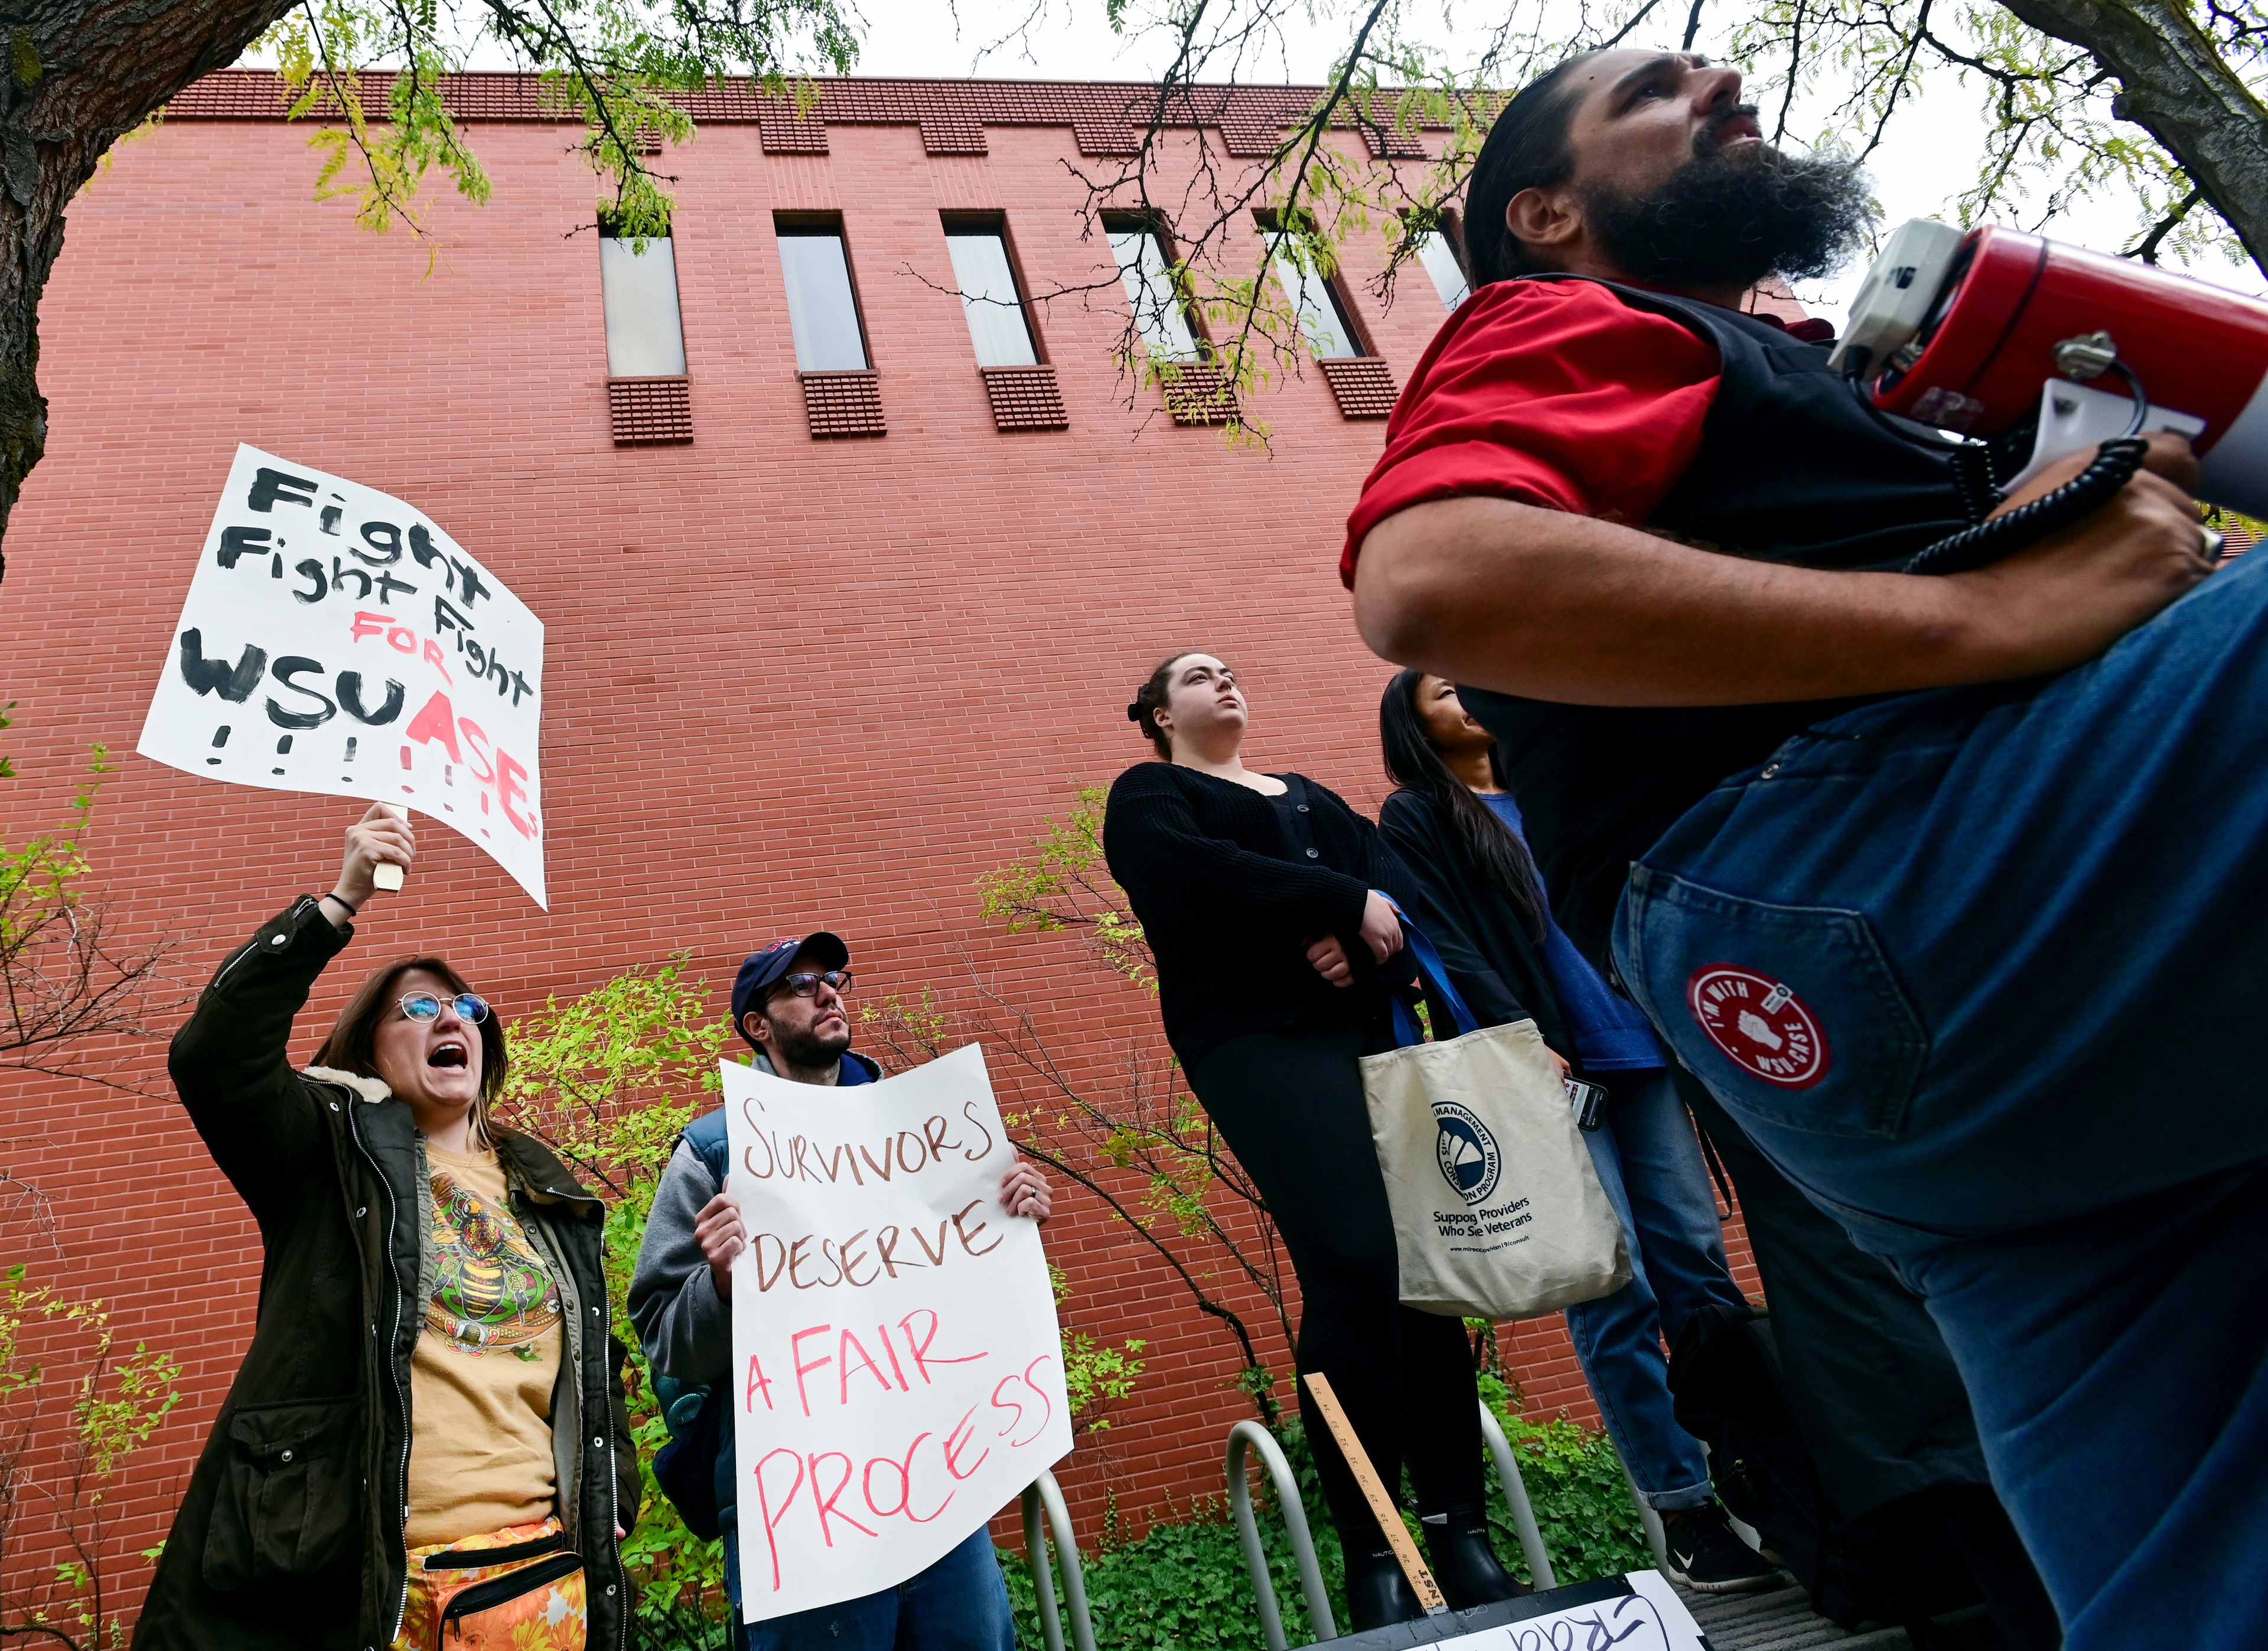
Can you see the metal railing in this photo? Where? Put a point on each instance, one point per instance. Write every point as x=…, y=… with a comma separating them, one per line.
x=1515, y=1491
x=1657, y=1540
x=1043, y=1495
x=1248, y=1436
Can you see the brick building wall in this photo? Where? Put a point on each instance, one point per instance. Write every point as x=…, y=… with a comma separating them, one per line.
x=794, y=681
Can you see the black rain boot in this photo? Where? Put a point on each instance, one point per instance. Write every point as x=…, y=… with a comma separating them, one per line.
x=1464, y=1559
x=1377, y=1592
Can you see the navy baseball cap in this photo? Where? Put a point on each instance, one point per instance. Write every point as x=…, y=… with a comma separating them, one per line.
x=764, y=969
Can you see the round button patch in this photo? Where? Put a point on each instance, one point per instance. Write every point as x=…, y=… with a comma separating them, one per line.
x=1760, y=1024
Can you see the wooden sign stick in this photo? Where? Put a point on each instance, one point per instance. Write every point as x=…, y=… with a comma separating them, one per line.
x=386, y=875
x=1382, y=1505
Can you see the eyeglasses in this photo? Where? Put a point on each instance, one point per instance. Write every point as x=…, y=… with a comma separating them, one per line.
x=806, y=982
x=424, y=1006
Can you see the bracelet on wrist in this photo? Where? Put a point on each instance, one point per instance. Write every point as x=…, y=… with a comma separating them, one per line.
x=351, y=911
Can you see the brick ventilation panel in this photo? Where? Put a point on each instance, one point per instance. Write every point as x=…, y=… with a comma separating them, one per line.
x=843, y=404
x=1198, y=393
x=649, y=412
x=1364, y=386
x=1025, y=398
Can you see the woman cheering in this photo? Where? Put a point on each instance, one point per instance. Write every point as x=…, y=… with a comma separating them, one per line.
x=426, y=1442
x=1257, y=893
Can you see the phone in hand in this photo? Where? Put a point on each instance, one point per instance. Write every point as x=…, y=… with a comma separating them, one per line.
x=1590, y=1101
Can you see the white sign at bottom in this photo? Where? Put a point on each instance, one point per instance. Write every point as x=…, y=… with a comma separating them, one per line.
x=1647, y=1615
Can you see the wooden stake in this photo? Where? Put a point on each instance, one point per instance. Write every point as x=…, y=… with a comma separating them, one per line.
x=386, y=875
x=1382, y=1505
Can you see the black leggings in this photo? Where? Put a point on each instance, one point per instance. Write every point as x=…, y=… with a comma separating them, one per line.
x=1290, y=1104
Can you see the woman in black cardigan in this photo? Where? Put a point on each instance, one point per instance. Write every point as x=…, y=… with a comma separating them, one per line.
x=1257, y=894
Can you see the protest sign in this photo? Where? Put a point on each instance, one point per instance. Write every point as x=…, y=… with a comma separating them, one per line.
x=335, y=640
x=897, y=1376
x=1636, y=1613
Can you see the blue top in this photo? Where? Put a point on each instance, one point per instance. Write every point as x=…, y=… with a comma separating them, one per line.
x=1610, y=1035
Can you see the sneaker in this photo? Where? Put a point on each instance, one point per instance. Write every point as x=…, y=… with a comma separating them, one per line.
x=1707, y=1555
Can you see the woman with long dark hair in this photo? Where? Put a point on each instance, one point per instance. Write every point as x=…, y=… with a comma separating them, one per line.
x=1472, y=888
x=426, y=1442
x=1258, y=894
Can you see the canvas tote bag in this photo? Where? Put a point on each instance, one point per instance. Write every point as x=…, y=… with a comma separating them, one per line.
x=1498, y=1212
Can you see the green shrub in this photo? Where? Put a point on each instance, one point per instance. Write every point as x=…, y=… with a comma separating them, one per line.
x=1184, y=1585
x=1575, y=1484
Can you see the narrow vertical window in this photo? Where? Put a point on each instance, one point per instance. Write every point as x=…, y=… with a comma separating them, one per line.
x=1323, y=320
x=822, y=307
x=644, y=336
x=1439, y=257
x=1159, y=312
x=997, y=325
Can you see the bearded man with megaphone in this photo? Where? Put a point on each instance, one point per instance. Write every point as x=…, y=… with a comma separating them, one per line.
x=1924, y=819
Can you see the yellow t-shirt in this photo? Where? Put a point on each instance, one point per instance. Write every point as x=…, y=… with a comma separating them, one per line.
x=481, y=1381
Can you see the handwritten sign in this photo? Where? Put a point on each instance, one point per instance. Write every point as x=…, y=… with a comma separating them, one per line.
x=1636, y=1613
x=336, y=641
x=897, y=1371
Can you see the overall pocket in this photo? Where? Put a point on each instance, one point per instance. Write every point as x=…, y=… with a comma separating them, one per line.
x=1791, y=1014
x=288, y=1503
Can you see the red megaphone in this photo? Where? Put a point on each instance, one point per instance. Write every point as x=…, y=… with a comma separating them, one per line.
x=1980, y=331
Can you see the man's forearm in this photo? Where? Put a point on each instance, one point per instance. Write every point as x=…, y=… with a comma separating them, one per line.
x=1535, y=602
x=685, y=1328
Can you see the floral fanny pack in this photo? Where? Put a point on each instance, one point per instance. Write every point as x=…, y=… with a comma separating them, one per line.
x=519, y=1589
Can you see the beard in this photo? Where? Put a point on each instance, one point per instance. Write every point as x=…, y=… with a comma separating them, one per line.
x=807, y=1050
x=1730, y=219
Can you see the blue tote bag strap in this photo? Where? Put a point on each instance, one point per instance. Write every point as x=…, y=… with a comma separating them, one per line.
x=1434, y=974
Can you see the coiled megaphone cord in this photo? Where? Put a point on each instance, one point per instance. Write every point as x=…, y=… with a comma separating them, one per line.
x=2115, y=463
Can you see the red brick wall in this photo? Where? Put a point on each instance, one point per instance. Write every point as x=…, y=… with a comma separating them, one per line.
x=793, y=682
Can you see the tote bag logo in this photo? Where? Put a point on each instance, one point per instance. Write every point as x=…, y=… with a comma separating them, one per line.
x=1466, y=1152
x=1759, y=1024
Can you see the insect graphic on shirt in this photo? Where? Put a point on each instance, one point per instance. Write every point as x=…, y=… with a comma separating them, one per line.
x=490, y=1290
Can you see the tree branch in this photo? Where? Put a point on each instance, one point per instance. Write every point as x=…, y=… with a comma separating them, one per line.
x=2177, y=87
x=2146, y=248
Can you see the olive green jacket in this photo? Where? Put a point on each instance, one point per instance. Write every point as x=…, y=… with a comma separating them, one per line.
x=291, y=1532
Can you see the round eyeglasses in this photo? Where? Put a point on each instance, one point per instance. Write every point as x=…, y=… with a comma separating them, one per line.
x=424, y=1006
x=806, y=982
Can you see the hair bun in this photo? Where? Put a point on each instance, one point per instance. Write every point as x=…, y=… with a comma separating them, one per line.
x=1134, y=712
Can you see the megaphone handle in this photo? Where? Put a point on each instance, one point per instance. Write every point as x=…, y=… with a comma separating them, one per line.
x=386, y=875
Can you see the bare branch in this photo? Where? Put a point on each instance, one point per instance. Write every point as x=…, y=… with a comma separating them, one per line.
x=2146, y=248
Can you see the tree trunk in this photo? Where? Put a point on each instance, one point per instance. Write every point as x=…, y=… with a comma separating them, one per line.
x=75, y=77
x=2178, y=86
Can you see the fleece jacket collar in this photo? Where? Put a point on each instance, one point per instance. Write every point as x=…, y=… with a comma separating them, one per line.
x=545, y=1178
x=371, y=1090
x=855, y=1069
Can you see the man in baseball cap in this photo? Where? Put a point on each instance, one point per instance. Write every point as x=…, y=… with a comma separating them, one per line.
x=788, y=1002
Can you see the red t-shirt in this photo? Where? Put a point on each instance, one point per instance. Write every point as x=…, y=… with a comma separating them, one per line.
x=1550, y=392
